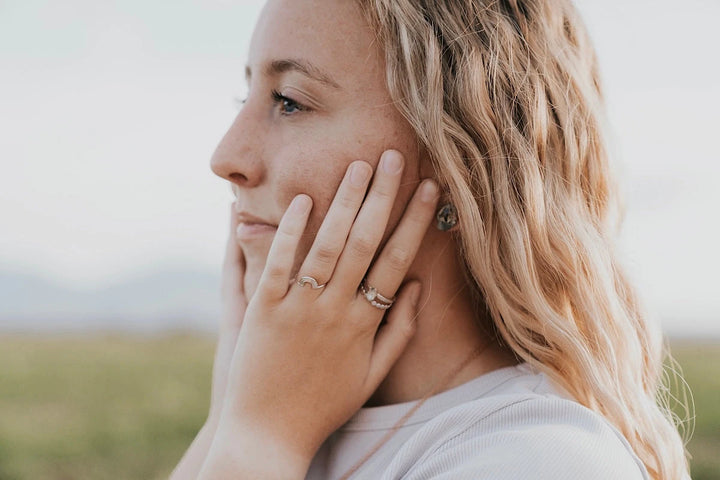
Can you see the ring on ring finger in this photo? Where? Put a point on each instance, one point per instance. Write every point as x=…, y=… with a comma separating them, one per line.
x=375, y=298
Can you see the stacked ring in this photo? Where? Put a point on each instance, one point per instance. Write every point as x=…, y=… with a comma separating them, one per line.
x=374, y=297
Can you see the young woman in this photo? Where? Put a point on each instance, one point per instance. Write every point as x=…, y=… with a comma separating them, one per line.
x=503, y=342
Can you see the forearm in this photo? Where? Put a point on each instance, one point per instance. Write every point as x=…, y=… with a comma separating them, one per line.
x=191, y=463
x=251, y=456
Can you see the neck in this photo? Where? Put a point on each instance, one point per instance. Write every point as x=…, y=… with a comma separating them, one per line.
x=449, y=330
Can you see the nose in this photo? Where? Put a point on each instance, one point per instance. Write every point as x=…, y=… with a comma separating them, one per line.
x=238, y=156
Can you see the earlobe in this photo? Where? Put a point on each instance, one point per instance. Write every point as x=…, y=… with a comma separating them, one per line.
x=446, y=217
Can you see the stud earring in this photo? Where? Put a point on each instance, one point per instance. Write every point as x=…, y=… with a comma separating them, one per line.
x=447, y=217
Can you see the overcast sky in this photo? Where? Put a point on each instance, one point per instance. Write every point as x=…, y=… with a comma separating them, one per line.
x=109, y=112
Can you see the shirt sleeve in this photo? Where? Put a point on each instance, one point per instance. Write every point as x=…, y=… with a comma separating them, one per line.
x=543, y=438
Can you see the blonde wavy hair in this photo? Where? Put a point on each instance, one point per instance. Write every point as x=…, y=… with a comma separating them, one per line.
x=505, y=97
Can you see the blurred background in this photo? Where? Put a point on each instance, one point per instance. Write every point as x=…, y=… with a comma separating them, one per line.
x=112, y=226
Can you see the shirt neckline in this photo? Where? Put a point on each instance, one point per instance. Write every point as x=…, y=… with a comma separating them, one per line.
x=385, y=416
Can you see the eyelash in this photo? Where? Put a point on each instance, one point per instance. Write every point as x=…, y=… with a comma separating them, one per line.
x=277, y=98
x=287, y=102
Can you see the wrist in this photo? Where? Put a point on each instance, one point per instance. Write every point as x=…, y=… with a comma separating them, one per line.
x=208, y=431
x=212, y=422
x=242, y=451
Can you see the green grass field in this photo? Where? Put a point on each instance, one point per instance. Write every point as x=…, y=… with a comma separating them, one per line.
x=117, y=407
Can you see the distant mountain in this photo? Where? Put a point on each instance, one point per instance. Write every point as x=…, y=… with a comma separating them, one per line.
x=161, y=301
x=171, y=299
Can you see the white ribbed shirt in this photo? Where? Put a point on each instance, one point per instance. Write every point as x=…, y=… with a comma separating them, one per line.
x=512, y=423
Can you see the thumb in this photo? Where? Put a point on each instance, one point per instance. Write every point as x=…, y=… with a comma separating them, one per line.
x=393, y=337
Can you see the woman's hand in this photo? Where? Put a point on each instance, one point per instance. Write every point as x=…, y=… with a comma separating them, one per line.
x=306, y=360
x=233, y=310
x=234, y=304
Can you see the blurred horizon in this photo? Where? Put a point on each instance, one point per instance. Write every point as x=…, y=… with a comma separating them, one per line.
x=171, y=300
x=111, y=111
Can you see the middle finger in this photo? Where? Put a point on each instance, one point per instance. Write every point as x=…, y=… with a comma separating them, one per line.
x=369, y=226
x=330, y=239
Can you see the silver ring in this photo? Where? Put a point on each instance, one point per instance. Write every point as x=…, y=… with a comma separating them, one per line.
x=372, y=295
x=302, y=281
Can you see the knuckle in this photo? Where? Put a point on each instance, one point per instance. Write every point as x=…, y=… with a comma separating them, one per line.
x=383, y=193
x=347, y=200
x=326, y=253
x=363, y=246
x=295, y=230
x=284, y=234
x=358, y=326
x=398, y=258
x=274, y=272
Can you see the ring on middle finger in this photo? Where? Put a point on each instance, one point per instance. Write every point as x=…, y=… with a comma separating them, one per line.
x=308, y=280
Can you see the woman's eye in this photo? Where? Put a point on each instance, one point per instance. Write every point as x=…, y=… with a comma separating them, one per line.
x=288, y=106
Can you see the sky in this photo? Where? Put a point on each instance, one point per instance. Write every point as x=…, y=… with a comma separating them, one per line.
x=110, y=111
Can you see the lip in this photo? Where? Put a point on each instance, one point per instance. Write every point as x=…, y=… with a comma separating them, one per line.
x=251, y=227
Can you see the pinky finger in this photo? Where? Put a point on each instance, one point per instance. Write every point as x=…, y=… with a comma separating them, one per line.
x=393, y=337
x=281, y=258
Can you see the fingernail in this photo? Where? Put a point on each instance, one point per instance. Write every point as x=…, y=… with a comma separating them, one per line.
x=300, y=204
x=428, y=191
x=392, y=162
x=359, y=174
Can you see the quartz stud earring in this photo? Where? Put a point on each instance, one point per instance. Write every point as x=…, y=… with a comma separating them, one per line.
x=447, y=217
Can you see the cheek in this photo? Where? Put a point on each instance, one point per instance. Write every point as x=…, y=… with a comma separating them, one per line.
x=316, y=172
x=316, y=164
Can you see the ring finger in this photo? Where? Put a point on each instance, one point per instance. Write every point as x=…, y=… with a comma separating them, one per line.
x=391, y=266
x=370, y=225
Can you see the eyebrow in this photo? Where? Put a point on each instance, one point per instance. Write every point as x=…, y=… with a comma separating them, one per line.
x=276, y=67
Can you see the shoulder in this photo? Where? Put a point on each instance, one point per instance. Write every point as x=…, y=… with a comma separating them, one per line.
x=525, y=430
x=535, y=438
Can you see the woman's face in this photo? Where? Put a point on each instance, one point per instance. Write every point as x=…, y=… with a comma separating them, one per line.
x=317, y=101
